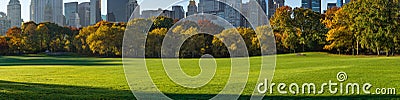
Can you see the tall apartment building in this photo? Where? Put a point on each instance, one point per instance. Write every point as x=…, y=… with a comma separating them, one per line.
x=4, y=23
x=14, y=13
x=232, y=12
x=84, y=14
x=273, y=5
x=47, y=11
x=178, y=12
x=314, y=5
x=347, y=1
x=192, y=8
x=211, y=7
x=132, y=8
x=253, y=14
x=225, y=10
x=71, y=14
x=116, y=10
x=339, y=3
x=95, y=11
x=331, y=5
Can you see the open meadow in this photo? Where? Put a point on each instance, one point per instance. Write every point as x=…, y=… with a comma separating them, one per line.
x=44, y=77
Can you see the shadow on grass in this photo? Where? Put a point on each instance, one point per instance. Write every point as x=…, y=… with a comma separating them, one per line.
x=18, y=61
x=22, y=90
x=246, y=97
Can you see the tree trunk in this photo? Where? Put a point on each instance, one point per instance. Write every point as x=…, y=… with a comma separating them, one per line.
x=352, y=50
x=387, y=53
x=358, y=47
x=377, y=50
x=393, y=51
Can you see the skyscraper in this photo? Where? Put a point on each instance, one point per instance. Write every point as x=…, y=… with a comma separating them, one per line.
x=58, y=16
x=71, y=12
x=4, y=23
x=95, y=11
x=132, y=6
x=151, y=13
x=253, y=15
x=339, y=3
x=210, y=7
x=314, y=5
x=263, y=5
x=331, y=5
x=347, y=1
x=225, y=10
x=47, y=11
x=84, y=13
x=116, y=10
x=273, y=5
x=232, y=12
x=192, y=8
x=178, y=11
x=14, y=13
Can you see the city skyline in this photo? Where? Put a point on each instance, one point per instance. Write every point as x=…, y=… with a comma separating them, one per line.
x=25, y=5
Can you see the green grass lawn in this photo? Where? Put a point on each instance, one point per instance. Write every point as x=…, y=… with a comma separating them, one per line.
x=103, y=78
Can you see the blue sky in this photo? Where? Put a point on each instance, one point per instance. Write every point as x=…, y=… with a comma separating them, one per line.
x=148, y=4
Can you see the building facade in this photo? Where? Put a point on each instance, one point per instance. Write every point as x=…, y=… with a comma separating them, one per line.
x=211, y=7
x=178, y=12
x=47, y=11
x=232, y=12
x=347, y=1
x=95, y=11
x=314, y=5
x=273, y=5
x=227, y=9
x=133, y=8
x=84, y=14
x=74, y=20
x=331, y=5
x=253, y=14
x=339, y=3
x=14, y=13
x=116, y=10
x=4, y=24
x=263, y=5
x=151, y=13
x=192, y=8
x=71, y=14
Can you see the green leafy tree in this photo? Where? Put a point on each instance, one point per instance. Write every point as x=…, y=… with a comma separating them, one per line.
x=31, y=38
x=312, y=31
x=284, y=29
x=154, y=42
x=162, y=22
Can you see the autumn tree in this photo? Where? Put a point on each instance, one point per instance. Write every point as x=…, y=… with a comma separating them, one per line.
x=16, y=41
x=107, y=39
x=31, y=38
x=284, y=29
x=3, y=45
x=162, y=22
x=370, y=25
x=154, y=42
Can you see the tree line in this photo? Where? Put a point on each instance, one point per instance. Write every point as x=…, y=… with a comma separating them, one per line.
x=359, y=27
